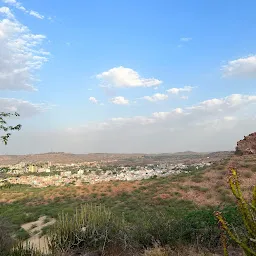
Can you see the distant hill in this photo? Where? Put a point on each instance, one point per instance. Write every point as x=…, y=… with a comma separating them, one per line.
x=67, y=158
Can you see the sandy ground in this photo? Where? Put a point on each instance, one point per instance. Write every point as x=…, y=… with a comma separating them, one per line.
x=35, y=229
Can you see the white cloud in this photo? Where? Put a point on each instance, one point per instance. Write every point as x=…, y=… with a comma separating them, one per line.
x=7, y=12
x=21, y=55
x=93, y=100
x=184, y=129
x=24, y=108
x=126, y=77
x=19, y=6
x=10, y=1
x=243, y=67
x=206, y=111
x=36, y=14
x=156, y=97
x=230, y=108
x=210, y=125
x=185, y=39
x=184, y=97
x=164, y=115
x=119, y=100
x=179, y=90
x=230, y=103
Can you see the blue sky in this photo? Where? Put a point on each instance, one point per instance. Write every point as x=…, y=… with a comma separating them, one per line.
x=100, y=62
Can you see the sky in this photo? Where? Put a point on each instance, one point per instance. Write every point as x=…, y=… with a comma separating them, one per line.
x=128, y=76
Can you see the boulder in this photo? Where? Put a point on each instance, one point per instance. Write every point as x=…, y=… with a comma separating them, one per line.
x=247, y=146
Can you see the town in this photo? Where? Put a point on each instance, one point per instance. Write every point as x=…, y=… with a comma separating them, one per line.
x=46, y=174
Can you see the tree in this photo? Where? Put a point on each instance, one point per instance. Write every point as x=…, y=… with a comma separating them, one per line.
x=7, y=128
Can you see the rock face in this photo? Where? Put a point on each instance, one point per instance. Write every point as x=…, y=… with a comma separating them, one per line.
x=247, y=146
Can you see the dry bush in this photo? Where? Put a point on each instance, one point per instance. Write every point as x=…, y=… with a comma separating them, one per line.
x=92, y=227
x=157, y=251
x=178, y=251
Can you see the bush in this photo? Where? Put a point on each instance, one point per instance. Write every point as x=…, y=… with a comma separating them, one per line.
x=91, y=227
x=6, y=241
x=22, y=234
x=199, y=228
x=156, y=251
x=24, y=250
x=246, y=239
x=152, y=228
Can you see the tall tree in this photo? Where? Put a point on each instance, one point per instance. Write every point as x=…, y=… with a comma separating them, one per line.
x=7, y=128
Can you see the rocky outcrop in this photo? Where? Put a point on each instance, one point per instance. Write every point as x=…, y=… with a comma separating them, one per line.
x=247, y=146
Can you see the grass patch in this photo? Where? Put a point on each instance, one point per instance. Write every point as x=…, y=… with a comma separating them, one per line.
x=22, y=234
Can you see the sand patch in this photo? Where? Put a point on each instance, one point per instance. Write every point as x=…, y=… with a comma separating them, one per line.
x=35, y=230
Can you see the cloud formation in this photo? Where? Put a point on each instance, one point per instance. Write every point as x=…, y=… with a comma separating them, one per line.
x=19, y=6
x=243, y=67
x=36, y=14
x=214, y=124
x=126, y=77
x=179, y=90
x=211, y=125
x=156, y=97
x=93, y=100
x=119, y=100
x=21, y=54
x=6, y=11
x=24, y=108
x=179, y=119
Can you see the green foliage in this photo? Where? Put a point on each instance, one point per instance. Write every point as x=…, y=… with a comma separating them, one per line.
x=196, y=227
x=22, y=234
x=4, y=169
x=247, y=239
x=199, y=227
x=91, y=227
x=7, y=128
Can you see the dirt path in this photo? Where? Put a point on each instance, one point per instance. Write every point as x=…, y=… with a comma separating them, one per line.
x=35, y=229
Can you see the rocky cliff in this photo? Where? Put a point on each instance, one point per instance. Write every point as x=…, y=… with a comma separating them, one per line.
x=247, y=146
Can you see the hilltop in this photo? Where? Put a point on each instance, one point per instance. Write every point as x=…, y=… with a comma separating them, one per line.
x=247, y=146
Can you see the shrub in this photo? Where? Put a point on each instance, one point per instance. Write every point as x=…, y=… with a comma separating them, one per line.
x=199, y=228
x=6, y=240
x=24, y=250
x=151, y=228
x=247, y=239
x=91, y=227
x=156, y=251
x=22, y=234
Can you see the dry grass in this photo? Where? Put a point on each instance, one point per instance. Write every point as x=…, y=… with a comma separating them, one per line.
x=180, y=251
x=209, y=191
